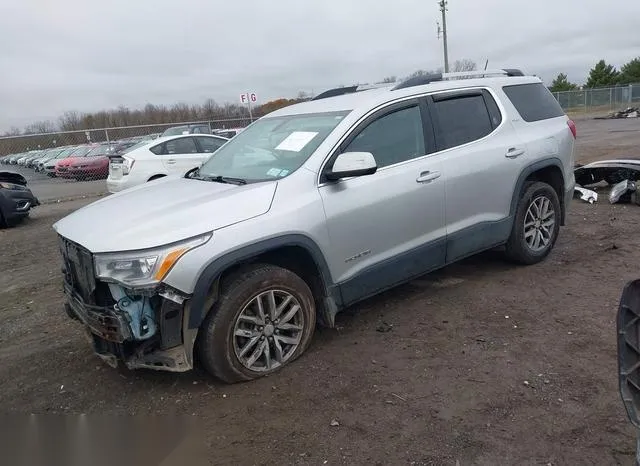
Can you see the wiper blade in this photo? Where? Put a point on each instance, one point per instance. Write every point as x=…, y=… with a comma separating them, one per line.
x=225, y=179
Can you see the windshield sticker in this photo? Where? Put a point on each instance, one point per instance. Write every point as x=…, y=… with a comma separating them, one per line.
x=284, y=172
x=296, y=141
x=273, y=172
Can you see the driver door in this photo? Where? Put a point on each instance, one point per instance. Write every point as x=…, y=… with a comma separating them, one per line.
x=387, y=227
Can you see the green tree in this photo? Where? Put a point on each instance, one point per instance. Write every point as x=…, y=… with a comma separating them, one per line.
x=561, y=83
x=630, y=72
x=602, y=75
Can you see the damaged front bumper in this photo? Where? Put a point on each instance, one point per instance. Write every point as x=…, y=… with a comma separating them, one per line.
x=152, y=335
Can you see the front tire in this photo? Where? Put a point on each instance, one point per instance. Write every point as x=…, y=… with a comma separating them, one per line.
x=263, y=320
x=536, y=224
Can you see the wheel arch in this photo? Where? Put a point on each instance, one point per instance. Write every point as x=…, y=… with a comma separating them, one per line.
x=296, y=252
x=155, y=177
x=548, y=171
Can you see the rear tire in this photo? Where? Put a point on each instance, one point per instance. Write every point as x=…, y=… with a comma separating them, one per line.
x=263, y=320
x=536, y=224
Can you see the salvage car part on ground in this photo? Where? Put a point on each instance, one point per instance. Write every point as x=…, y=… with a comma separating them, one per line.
x=609, y=171
x=628, y=339
x=16, y=199
x=622, y=192
x=631, y=112
x=587, y=195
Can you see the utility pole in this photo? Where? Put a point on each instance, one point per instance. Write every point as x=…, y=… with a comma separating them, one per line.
x=443, y=9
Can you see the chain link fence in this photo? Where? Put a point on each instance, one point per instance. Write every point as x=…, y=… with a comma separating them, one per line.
x=83, y=155
x=600, y=100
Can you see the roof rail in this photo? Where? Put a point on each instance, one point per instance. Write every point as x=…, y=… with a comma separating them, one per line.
x=429, y=78
x=419, y=80
x=348, y=90
x=335, y=92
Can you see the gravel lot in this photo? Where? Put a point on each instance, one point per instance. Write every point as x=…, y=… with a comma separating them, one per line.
x=483, y=362
x=49, y=190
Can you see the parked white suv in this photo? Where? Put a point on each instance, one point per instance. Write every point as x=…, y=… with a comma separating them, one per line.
x=160, y=157
x=312, y=208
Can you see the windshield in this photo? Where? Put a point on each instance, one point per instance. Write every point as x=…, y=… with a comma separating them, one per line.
x=271, y=148
x=52, y=153
x=81, y=151
x=175, y=131
x=65, y=153
x=134, y=147
x=100, y=150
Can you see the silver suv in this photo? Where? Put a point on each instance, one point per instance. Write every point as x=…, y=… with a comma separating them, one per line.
x=312, y=208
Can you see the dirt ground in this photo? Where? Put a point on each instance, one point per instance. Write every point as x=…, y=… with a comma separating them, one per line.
x=481, y=363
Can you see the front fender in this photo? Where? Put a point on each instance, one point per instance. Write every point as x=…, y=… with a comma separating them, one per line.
x=212, y=272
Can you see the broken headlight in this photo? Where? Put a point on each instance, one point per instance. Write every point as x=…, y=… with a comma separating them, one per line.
x=144, y=267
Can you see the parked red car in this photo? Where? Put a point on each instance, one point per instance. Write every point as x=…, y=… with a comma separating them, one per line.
x=62, y=166
x=93, y=166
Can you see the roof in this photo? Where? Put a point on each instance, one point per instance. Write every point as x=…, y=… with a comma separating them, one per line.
x=373, y=97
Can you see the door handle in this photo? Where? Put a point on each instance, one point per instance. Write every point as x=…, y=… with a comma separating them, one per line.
x=171, y=161
x=426, y=177
x=514, y=152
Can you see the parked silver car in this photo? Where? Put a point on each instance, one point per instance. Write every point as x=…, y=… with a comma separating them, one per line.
x=313, y=208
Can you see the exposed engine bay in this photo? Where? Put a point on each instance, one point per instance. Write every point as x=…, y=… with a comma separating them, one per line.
x=143, y=328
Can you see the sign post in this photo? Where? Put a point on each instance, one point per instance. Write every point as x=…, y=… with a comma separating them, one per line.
x=249, y=98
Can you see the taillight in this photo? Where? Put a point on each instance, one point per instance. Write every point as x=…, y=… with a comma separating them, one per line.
x=127, y=165
x=572, y=127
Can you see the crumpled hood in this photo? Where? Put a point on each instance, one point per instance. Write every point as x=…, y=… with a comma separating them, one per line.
x=162, y=212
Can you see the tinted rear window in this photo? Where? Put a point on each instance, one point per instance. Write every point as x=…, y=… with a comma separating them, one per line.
x=533, y=101
x=463, y=119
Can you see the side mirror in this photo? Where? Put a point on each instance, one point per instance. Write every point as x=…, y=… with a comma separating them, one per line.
x=352, y=164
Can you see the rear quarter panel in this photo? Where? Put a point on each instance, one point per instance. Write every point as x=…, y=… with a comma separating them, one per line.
x=546, y=139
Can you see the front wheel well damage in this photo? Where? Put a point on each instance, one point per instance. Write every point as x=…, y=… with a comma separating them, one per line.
x=295, y=258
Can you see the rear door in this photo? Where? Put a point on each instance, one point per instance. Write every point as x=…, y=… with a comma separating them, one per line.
x=207, y=145
x=483, y=156
x=180, y=155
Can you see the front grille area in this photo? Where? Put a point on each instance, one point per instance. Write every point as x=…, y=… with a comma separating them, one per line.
x=78, y=269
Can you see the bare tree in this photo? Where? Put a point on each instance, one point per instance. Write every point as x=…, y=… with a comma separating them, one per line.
x=210, y=109
x=71, y=121
x=43, y=126
x=418, y=73
x=464, y=65
x=13, y=132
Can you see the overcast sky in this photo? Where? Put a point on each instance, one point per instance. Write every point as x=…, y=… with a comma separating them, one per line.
x=90, y=55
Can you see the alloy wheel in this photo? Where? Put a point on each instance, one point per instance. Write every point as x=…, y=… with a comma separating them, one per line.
x=268, y=330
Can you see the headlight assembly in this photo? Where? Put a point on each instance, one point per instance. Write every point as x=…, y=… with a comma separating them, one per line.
x=12, y=186
x=144, y=267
